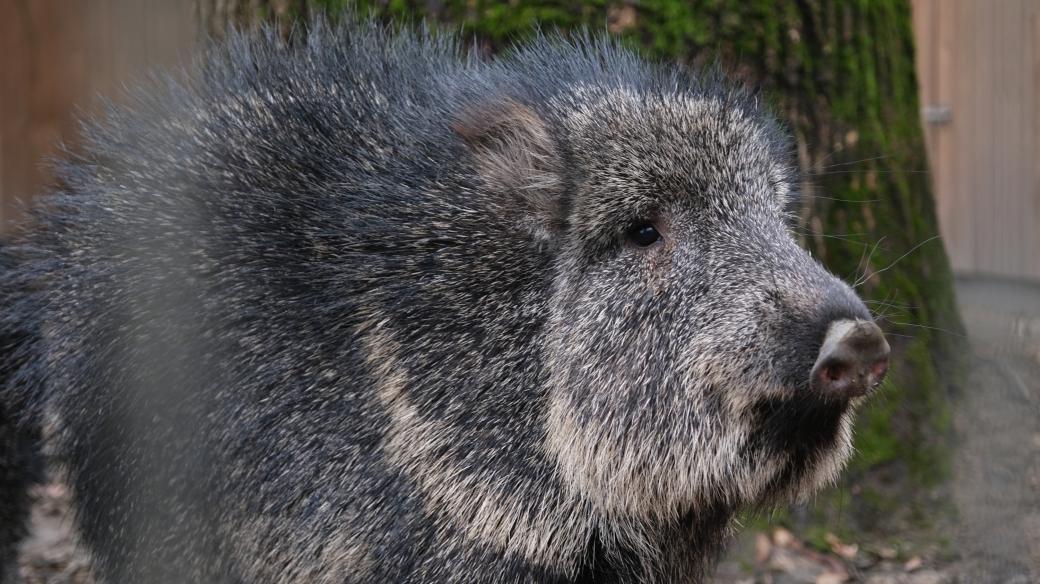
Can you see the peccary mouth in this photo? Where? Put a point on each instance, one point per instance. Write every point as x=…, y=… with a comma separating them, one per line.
x=799, y=430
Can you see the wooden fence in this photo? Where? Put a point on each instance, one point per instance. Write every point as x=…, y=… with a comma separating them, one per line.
x=979, y=64
x=979, y=71
x=56, y=57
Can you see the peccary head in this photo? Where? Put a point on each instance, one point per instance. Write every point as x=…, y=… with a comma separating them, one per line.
x=685, y=345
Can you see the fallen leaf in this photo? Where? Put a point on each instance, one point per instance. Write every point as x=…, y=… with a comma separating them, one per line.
x=763, y=548
x=845, y=550
x=887, y=553
x=783, y=538
x=832, y=578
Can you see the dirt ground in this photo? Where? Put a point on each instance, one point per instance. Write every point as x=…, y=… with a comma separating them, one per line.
x=995, y=481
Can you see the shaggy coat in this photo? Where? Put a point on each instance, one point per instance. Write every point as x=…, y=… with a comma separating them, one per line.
x=366, y=309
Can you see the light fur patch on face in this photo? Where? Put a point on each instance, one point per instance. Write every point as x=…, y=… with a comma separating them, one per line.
x=539, y=524
x=655, y=480
x=650, y=478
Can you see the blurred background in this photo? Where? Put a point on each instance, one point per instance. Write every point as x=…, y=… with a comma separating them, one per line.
x=917, y=128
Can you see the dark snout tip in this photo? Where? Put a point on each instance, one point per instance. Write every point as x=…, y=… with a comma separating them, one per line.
x=853, y=360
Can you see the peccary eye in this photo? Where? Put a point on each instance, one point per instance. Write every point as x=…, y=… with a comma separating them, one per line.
x=644, y=234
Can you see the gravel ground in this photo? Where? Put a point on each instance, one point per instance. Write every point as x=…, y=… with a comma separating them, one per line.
x=996, y=479
x=995, y=482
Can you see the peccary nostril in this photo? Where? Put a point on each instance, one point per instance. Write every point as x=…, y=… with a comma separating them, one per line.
x=852, y=361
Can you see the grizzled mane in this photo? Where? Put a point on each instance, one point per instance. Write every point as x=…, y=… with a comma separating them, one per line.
x=408, y=83
x=412, y=70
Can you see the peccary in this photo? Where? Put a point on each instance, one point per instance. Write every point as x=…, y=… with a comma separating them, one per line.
x=20, y=464
x=364, y=308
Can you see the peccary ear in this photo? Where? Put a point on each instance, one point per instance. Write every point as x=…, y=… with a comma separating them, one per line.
x=515, y=153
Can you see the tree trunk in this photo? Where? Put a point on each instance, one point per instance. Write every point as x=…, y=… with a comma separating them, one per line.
x=842, y=74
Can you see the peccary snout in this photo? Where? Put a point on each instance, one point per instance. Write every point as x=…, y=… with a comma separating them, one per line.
x=852, y=361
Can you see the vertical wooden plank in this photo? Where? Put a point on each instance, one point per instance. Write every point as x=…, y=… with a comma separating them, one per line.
x=995, y=104
x=944, y=176
x=56, y=57
x=1007, y=258
x=1000, y=100
x=162, y=18
x=129, y=41
x=926, y=40
x=1003, y=138
x=1008, y=137
x=1020, y=117
x=14, y=83
x=923, y=23
x=1014, y=46
x=946, y=154
x=1033, y=102
x=44, y=70
x=969, y=162
x=933, y=96
x=983, y=128
x=978, y=115
x=1029, y=219
x=102, y=49
x=962, y=62
x=190, y=31
x=992, y=128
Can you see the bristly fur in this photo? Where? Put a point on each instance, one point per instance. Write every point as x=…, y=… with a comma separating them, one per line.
x=20, y=461
x=362, y=309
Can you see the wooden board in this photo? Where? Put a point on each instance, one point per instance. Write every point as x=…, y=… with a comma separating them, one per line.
x=981, y=61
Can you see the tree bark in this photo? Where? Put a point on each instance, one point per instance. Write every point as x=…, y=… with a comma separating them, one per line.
x=841, y=73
